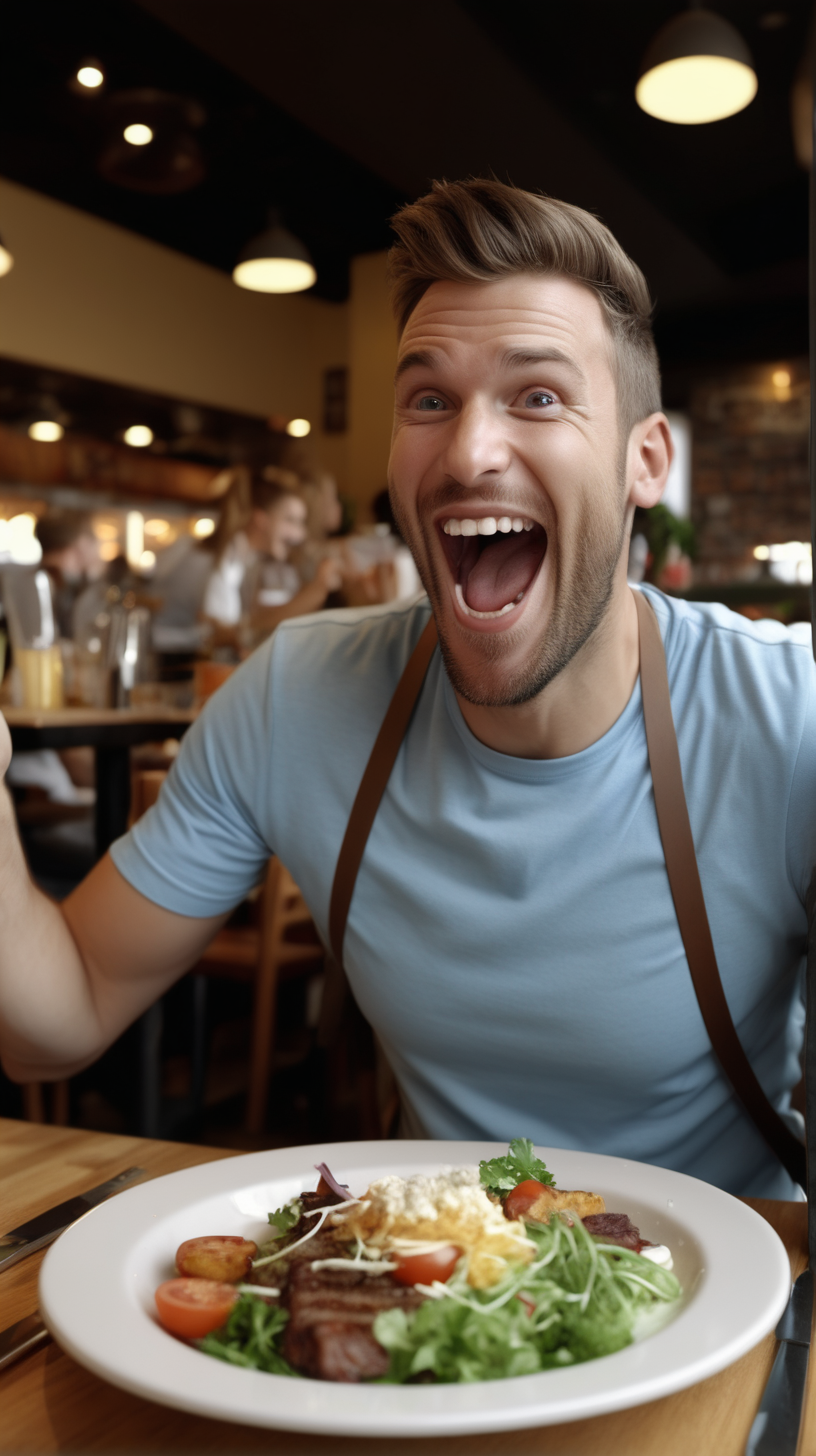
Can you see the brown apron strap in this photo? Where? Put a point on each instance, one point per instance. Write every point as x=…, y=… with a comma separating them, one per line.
x=363, y=813
x=687, y=892
x=372, y=785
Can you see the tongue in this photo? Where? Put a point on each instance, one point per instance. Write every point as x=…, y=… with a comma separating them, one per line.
x=505, y=567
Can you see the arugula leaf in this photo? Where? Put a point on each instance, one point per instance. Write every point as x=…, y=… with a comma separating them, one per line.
x=283, y=1219
x=251, y=1337
x=576, y=1301
x=499, y=1175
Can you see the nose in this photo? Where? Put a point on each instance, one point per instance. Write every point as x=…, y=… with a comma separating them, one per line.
x=478, y=448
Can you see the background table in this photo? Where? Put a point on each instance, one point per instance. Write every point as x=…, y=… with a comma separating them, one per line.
x=112, y=732
x=49, y=1403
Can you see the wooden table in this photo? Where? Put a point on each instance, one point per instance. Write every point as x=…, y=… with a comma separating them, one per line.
x=112, y=732
x=49, y=1403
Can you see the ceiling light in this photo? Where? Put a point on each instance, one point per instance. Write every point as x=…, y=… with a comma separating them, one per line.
x=147, y=560
x=90, y=77
x=137, y=134
x=298, y=428
x=203, y=527
x=46, y=431
x=697, y=69
x=157, y=527
x=275, y=262
x=781, y=378
x=139, y=436
x=105, y=531
x=6, y=260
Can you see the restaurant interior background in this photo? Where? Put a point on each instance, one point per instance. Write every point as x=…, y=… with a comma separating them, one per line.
x=135, y=375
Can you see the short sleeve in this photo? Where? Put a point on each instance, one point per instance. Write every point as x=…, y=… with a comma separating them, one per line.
x=801, y=827
x=201, y=848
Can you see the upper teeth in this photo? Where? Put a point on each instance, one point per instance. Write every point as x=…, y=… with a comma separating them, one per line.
x=485, y=525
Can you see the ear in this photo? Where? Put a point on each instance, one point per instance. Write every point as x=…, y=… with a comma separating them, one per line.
x=649, y=455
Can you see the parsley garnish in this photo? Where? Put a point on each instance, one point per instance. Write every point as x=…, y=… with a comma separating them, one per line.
x=283, y=1219
x=499, y=1175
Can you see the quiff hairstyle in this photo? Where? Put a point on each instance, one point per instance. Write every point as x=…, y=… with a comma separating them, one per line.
x=480, y=230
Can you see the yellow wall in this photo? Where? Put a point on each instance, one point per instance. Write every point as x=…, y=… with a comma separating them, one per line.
x=372, y=357
x=92, y=298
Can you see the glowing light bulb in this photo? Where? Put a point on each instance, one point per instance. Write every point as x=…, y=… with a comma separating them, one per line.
x=203, y=527
x=274, y=275
x=138, y=436
x=137, y=134
x=46, y=431
x=298, y=428
x=695, y=89
x=90, y=77
x=781, y=378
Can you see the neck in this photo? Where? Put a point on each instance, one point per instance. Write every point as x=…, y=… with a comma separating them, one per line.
x=580, y=705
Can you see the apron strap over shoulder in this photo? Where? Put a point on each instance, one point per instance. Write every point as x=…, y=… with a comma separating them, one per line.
x=364, y=810
x=687, y=893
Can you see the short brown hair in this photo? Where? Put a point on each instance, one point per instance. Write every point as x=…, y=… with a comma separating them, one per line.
x=481, y=229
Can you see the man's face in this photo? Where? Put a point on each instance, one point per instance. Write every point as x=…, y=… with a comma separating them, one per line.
x=506, y=476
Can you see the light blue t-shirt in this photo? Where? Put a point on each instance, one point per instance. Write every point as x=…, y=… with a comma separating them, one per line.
x=512, y=936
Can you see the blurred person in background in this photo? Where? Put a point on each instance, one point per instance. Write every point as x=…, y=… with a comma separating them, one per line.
x=253, y=583
x=72, y=559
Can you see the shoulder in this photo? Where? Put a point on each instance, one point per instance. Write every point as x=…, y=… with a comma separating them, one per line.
x=343, y=649
x=718, y=654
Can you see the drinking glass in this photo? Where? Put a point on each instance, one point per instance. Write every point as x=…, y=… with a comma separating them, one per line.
x=33, y=632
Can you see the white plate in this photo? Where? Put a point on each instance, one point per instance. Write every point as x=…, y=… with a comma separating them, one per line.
x=98, y=1280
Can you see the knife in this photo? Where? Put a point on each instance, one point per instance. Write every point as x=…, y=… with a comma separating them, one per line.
x=775, y=1431
x=42, y=1230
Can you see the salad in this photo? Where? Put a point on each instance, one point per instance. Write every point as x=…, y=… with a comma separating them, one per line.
x=465, y=1275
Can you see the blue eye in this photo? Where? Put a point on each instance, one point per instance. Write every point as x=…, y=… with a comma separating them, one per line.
x=431, y=402
x=538, y=398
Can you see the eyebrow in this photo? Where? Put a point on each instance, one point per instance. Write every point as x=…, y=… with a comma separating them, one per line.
x=513, y=359
x=523, y=358
x=417, y=359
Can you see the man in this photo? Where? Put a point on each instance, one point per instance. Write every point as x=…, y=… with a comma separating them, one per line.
x=71, y=556
x=512, y=936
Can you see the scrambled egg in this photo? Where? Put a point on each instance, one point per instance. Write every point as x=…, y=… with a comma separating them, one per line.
x=449, y=1208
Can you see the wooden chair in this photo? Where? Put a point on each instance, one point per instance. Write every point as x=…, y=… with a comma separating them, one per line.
x=257, y=953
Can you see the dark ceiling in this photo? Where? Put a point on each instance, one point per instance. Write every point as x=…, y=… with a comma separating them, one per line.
x=338, y=113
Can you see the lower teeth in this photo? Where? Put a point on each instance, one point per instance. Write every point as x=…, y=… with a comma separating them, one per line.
x=484, y=616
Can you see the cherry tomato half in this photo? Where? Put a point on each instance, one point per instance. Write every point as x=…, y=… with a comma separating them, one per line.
x=192, y=1308
x=223, y=1257
x=522, y=1197
x=424, y=1268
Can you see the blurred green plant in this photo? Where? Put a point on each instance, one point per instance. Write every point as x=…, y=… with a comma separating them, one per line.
x=662, y=528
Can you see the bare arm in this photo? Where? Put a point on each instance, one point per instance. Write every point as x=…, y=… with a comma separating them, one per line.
x=310, y=598
x=72, y=977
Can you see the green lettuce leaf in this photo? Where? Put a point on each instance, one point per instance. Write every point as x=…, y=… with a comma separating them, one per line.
x=284, y=1219
x=499, y=1175
x=251, y=1337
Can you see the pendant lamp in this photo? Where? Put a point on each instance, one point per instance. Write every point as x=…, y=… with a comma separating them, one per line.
x=275, y=262
x=697, y=69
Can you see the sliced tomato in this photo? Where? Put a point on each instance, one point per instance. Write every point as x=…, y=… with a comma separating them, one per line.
x=522, y=1197
x=193, y=1308
x=222, y=1257
x=424, y=1268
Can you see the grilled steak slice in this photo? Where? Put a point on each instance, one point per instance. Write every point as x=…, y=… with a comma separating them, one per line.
x=616, y=1228
x=330, y=1309
x=336, y=1350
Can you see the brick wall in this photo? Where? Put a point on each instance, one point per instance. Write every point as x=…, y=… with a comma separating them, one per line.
x=749, y=467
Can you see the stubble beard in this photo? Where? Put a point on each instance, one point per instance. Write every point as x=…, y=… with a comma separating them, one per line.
x=583, y=590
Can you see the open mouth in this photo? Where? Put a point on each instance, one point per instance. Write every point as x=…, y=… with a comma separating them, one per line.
x=493, y=560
